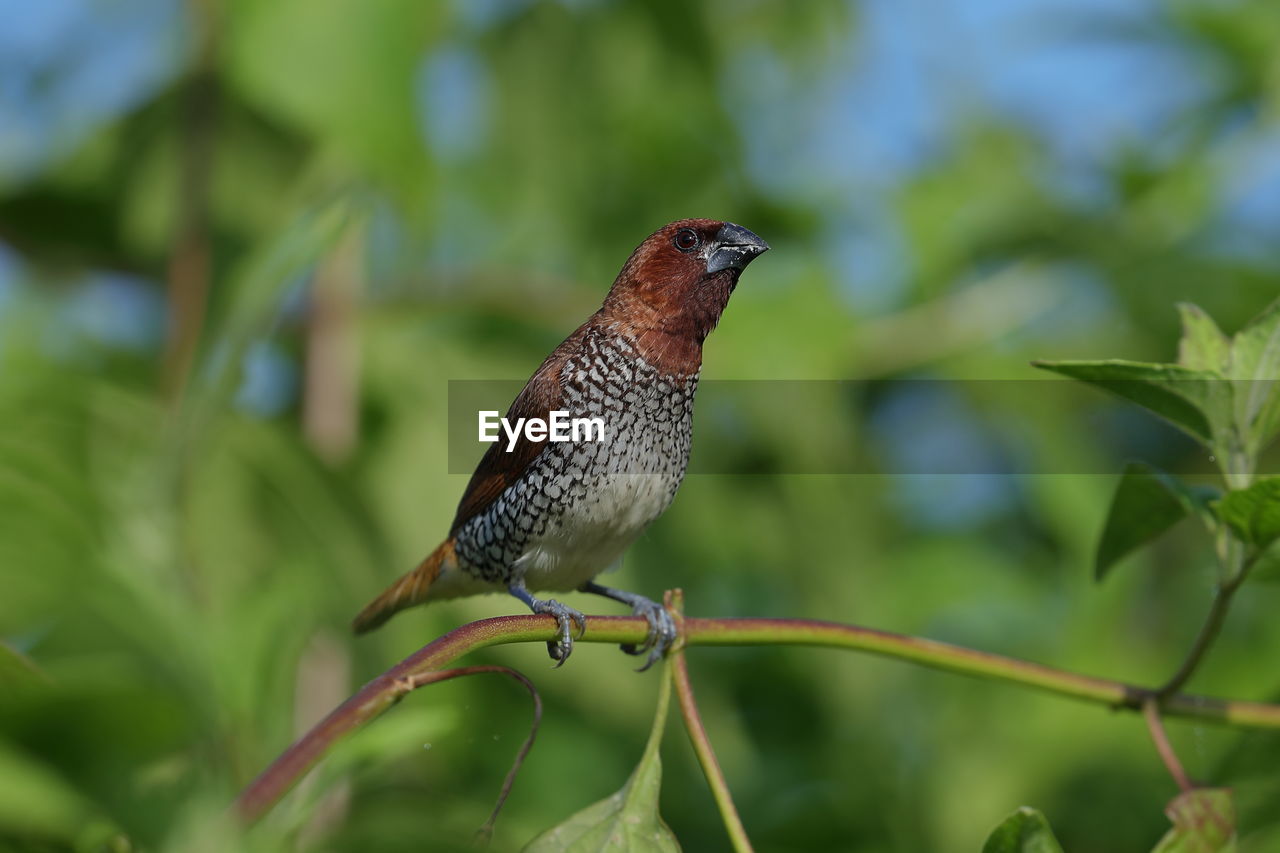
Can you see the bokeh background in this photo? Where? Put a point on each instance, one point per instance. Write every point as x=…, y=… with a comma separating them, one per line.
x=246, y=244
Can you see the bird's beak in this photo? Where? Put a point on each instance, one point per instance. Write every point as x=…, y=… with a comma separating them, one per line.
x=735, y=247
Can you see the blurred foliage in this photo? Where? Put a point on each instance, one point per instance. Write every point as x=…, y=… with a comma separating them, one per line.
x=1202, y=820
x=177, y=571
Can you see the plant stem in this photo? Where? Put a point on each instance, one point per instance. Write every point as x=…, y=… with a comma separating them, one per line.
x=332, y=371
x=1237, y=466
x=1208, y=633
x=385, y=690
x=1237, y=471
x=654, y=744
x=1235, y=568
x=698, y=734
x=190, y=266
x=486, y=830
x=1151, y=712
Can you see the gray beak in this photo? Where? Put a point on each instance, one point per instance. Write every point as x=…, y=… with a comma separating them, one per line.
x=735, y=247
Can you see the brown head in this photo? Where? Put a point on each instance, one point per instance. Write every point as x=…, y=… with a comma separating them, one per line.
x=677, y=282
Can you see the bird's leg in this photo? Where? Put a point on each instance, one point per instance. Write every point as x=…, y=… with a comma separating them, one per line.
x=565, y=615
x=662, y=628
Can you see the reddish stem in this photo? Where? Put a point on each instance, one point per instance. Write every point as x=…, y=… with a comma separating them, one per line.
x=1151, y=712
x=379, y=694
x=701, y=740
x=423, y=679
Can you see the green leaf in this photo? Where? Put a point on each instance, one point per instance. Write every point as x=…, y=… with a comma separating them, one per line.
x=1255, y=363
x=1147, y=502
x=1223, y=392
x=627, y=821
x=1024, y=831
x=1197, y=401
x=1204, y=821
x=1203, y=346
x=1254, y=513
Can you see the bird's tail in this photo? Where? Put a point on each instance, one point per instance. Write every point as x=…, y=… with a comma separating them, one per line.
x=411, y=589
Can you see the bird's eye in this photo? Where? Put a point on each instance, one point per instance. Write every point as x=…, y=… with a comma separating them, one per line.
x=686, y=240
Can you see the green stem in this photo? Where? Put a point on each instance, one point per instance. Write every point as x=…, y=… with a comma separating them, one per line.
x=1204, y=640
x=698, y=734
x=654, y=743
x=1235, y=568
x=385, y=690
x=1237, y=468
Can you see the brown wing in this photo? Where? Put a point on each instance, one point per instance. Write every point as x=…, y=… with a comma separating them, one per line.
x=498, y=468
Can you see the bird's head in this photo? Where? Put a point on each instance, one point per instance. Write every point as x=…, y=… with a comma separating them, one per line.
x=680, y=278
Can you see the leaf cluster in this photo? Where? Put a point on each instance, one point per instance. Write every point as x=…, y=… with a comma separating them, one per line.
x=1222, y=392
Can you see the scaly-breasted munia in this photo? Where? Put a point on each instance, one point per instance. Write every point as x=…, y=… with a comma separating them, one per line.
x=552, y=515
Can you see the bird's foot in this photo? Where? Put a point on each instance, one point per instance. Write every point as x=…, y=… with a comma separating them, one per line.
x=662, y=628
x=567, y=618
x=662, y=632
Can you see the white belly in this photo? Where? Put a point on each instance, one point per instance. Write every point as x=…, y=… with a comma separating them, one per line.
x=593, y=534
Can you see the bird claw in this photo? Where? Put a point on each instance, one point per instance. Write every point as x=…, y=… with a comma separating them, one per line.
x=566, y=617
x=662, y=632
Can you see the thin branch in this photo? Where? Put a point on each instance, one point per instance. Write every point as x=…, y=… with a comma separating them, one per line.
x=422, y=680
x=379, y=694
x=1204, y=640
x=190, y=258
x=1151, y=712
x=392, y=690
x=1236, y=570
x=332, y=375
x=698, y=734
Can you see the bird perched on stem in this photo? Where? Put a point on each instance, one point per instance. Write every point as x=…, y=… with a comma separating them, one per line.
x=544, y=515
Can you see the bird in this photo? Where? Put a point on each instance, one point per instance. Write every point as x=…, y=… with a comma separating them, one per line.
x=540, y=515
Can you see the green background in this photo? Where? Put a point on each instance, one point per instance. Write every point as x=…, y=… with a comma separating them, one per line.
x=456, y=185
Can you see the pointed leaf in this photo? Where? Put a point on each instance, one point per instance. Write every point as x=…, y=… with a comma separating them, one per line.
x=1254, y=513
x=1203, y=346
x=1147, y=502
x=1197, y=401
x=628, y=821
x=1255, y=362
x=1204, y=821
x=1024, y=831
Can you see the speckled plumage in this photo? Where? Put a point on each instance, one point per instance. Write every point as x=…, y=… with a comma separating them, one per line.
x=552, y=515
x=580, y=504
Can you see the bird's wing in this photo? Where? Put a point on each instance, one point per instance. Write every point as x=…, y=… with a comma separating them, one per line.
x=498, y=468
